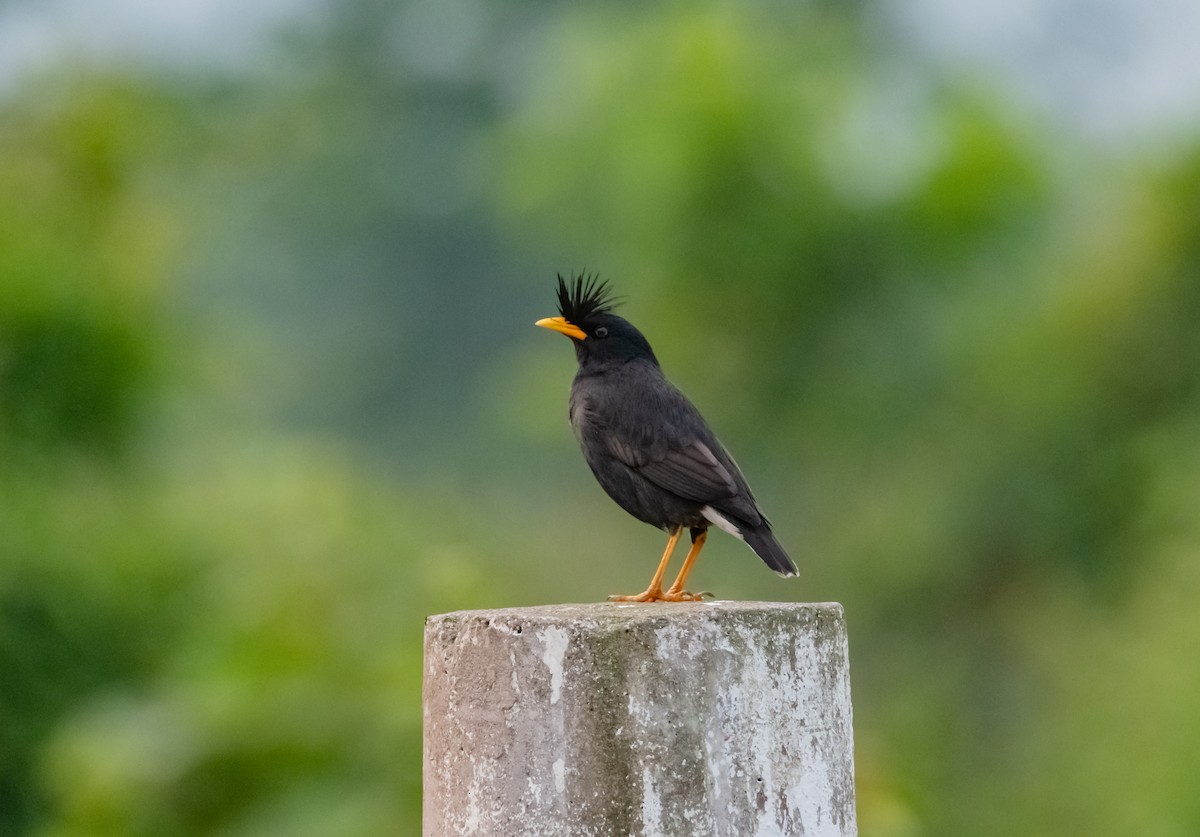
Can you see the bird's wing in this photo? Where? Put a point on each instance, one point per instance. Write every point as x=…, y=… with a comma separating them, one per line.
x=659, y=435
x=690, y=470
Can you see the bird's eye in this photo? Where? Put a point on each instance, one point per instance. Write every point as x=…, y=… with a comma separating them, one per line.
x=601, y=332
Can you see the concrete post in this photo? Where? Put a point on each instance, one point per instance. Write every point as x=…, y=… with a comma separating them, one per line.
x=714, y=718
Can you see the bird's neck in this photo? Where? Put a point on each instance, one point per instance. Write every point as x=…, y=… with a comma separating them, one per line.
x=598, y=367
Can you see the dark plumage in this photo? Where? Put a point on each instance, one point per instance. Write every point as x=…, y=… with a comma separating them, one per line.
x=648, y=446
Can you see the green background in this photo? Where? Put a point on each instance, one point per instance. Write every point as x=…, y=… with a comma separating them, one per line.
x=270, y=393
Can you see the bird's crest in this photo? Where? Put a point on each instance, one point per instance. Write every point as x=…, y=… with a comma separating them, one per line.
x=583, y=297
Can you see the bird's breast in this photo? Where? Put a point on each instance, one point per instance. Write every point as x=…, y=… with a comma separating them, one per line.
x=577, y=411
x=587, y=398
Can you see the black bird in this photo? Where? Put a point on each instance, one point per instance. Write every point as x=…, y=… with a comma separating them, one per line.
x=649, y=448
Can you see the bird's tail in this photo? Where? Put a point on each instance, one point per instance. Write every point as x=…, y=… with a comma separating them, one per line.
x=762, y=541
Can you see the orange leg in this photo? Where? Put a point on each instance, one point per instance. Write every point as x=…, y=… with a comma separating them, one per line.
x=676, y=593
x=654, y=592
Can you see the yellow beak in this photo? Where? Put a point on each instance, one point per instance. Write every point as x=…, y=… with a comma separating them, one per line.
x=561, y=325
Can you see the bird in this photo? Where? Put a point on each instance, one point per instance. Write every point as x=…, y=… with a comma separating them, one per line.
x=647, y=444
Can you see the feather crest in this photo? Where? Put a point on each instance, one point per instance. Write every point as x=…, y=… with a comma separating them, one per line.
x=584, y=297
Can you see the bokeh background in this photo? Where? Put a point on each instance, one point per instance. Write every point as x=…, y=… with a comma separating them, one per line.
x=270, y=391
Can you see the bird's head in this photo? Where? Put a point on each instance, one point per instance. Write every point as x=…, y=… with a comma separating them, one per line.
x=585, y=306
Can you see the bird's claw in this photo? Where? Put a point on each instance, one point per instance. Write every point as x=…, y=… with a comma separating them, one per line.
x=682, y=596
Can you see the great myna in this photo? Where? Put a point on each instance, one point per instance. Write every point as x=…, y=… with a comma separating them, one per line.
x=649, y=448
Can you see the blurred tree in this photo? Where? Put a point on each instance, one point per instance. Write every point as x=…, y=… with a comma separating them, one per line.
x=185, y=632
x=80, y=251
x=354, y=228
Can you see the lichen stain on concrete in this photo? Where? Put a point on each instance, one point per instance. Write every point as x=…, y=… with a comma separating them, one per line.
x=514, y=684
x=651, y=807
x=554, y=644
x=673, y=641
x=482, y=775
x=713, y=746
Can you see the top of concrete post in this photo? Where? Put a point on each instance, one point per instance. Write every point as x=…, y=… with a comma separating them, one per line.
x=617, y=612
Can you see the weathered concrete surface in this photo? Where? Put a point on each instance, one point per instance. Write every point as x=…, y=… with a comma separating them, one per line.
x=714, y=718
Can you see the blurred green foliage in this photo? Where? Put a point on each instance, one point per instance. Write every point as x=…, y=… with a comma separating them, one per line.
x=269, y=394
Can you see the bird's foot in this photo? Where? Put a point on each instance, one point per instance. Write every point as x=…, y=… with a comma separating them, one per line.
x=651, y=595
x=658, y=595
